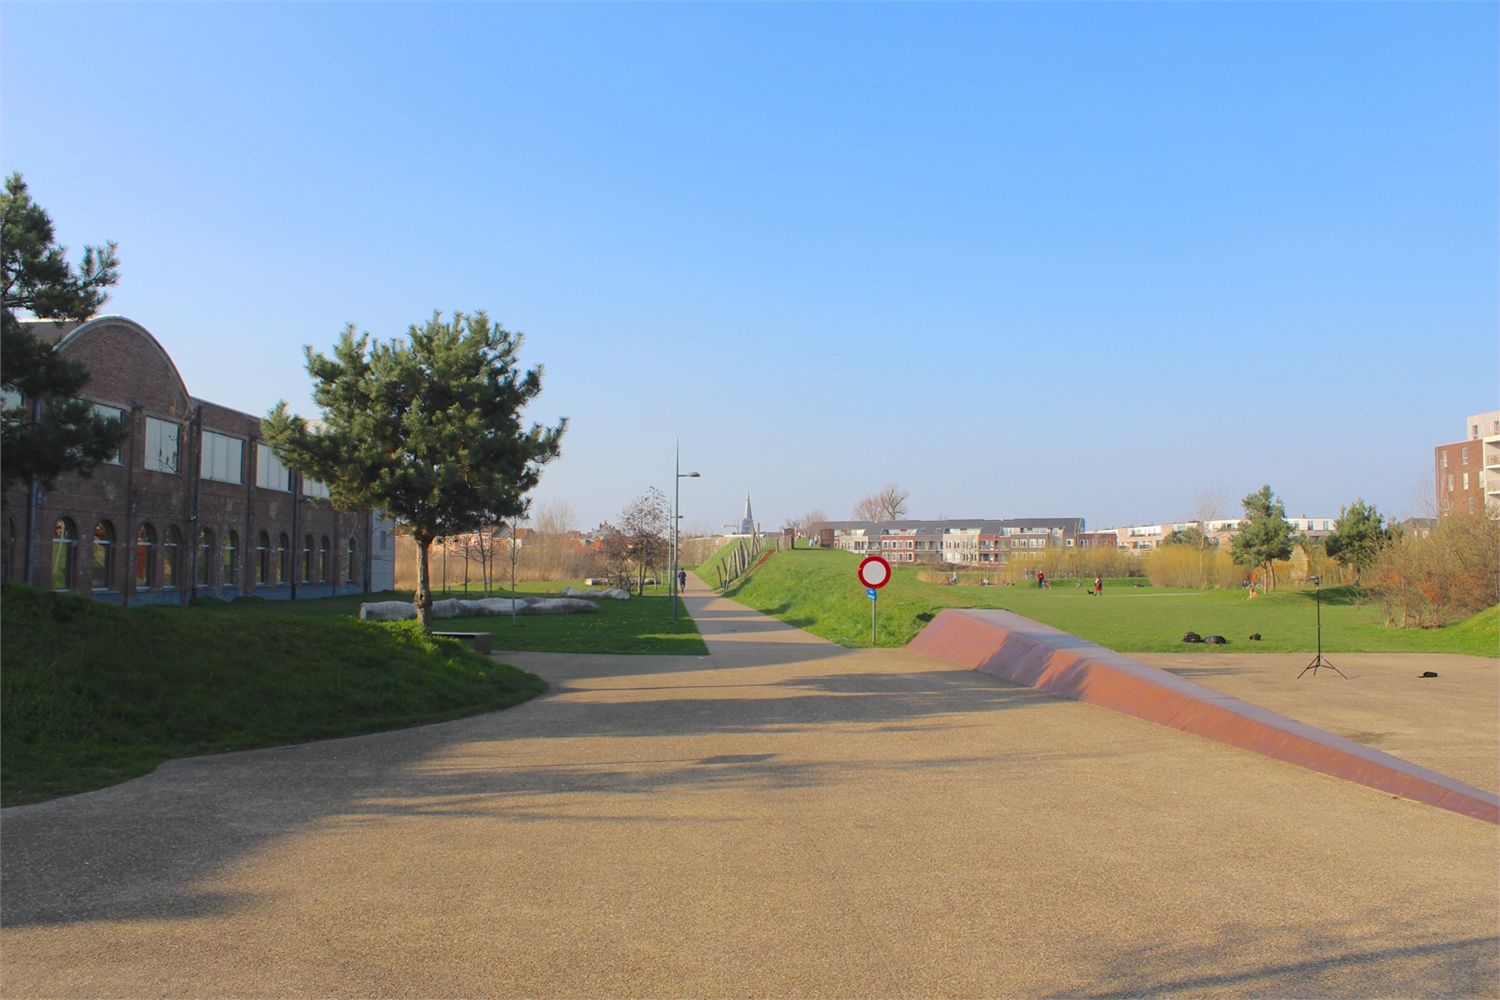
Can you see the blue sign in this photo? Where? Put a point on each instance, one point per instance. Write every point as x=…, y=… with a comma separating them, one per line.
x=872, y=592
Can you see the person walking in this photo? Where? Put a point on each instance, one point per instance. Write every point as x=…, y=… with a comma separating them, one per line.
x=681, y=580
x=1098, y=586
x=1041, y=580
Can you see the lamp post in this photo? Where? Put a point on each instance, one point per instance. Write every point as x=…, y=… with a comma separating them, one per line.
x=676, y=495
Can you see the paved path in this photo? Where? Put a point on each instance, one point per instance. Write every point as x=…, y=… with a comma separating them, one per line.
x=780, y=818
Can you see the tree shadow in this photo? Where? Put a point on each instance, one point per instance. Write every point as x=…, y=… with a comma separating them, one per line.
x=136, y=851
x=1326, y=959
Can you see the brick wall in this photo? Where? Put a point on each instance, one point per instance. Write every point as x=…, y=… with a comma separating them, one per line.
x=133, y=534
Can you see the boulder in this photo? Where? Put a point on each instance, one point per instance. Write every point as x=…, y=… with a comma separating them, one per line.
x=1215, y=640
x=617, y=594
x=499, y=605
x=1255, y=637
x=387, y=611
x=558, y=606
x=450, y=608
x=1192, y=637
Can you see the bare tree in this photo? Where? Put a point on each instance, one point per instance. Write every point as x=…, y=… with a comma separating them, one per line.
x=892, y=499
x=647, y=522
x=1209, y=506
x=867, y=509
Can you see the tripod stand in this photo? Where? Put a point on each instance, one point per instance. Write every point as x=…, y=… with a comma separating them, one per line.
x=1320, y=660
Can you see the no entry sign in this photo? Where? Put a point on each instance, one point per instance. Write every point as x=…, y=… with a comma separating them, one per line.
x=874, y=572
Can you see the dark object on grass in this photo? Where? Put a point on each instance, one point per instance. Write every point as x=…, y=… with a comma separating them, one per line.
x=1215, y=640
x=1255, y=637
x=1429, y=673
x=1192, y=637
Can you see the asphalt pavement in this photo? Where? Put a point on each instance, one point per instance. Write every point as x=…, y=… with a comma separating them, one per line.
x=781, y=818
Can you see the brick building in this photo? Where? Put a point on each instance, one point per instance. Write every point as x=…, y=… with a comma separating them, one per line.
x=194, y=503
x=1467, y=472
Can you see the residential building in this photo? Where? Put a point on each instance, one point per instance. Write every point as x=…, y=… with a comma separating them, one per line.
x=195, y=503
x=1467, y=473
x=976, y=541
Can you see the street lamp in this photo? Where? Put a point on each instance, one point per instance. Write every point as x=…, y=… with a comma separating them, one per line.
x=676, y=517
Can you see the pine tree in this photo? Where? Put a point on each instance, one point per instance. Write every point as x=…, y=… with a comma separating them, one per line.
x=427, y=429
x=47, y=429
x=1264, y=535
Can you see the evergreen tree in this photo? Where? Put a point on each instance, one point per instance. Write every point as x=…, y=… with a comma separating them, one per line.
x=47, y=430
x=427, y=429
x=1358, y=536
x=1264, y=535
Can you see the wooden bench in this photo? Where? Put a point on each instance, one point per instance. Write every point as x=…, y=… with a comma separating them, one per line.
x=481, y=640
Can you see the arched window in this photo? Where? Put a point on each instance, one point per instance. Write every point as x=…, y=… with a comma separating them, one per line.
x=104, y=555
x=307, y=557
x=205, y=558
x=263, y=559
x=145, y=546
x=64, y=553
x=283, y=559
x=325, y=562
x=231, y=556
x=352, y=575
x=171, y=566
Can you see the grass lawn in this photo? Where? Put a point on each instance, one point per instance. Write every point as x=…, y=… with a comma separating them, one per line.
x=93, y=694
x=641, y=625
x=817, y=590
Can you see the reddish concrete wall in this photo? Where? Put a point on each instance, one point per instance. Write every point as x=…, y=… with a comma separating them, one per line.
x=1026, y=652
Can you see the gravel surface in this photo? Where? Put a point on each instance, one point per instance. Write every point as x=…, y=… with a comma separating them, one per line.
x=780, y=818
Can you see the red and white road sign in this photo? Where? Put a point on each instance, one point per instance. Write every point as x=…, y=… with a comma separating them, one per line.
x=874, y=572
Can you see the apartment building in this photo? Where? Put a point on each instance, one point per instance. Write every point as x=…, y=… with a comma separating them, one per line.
x=977, y=541
x=1467, y=473
x=195, y=502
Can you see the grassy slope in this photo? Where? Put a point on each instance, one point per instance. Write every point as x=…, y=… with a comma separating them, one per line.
x=93, y=694
x=817, y=590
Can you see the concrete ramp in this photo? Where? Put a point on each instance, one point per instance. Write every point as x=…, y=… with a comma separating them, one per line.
x=1020, y=650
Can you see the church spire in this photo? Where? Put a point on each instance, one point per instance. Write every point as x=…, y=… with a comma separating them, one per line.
x=747, y=523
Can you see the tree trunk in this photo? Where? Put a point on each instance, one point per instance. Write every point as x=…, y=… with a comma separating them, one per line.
x=423, y=598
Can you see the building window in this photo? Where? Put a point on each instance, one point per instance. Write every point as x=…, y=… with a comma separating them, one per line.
x=145, y=543
x=1450, y=482
x=161, y=445
x=325, y=562
x=64, y=553
x=231, y=554
x=270, y=474
x=205, y=558
x=1445, y=459
x=307, y=559
x=313, y=488
x=263, y=559
x=1466, y=480
x=171, y=568
x=352, y=575
x=1463, y=456
x=104, y=555
x=283, y=558
x=223, y=458
x=110, y=413
x=1471, y=505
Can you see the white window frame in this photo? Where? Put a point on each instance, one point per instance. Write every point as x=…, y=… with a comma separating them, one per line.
x=223, y=458
x=313, y=488
x=270, y=474
x=157, y=436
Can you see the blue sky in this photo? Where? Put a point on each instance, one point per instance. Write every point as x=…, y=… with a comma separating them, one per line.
x=1022, y=259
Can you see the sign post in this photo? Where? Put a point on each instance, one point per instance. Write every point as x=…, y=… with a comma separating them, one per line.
x=874, y=573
